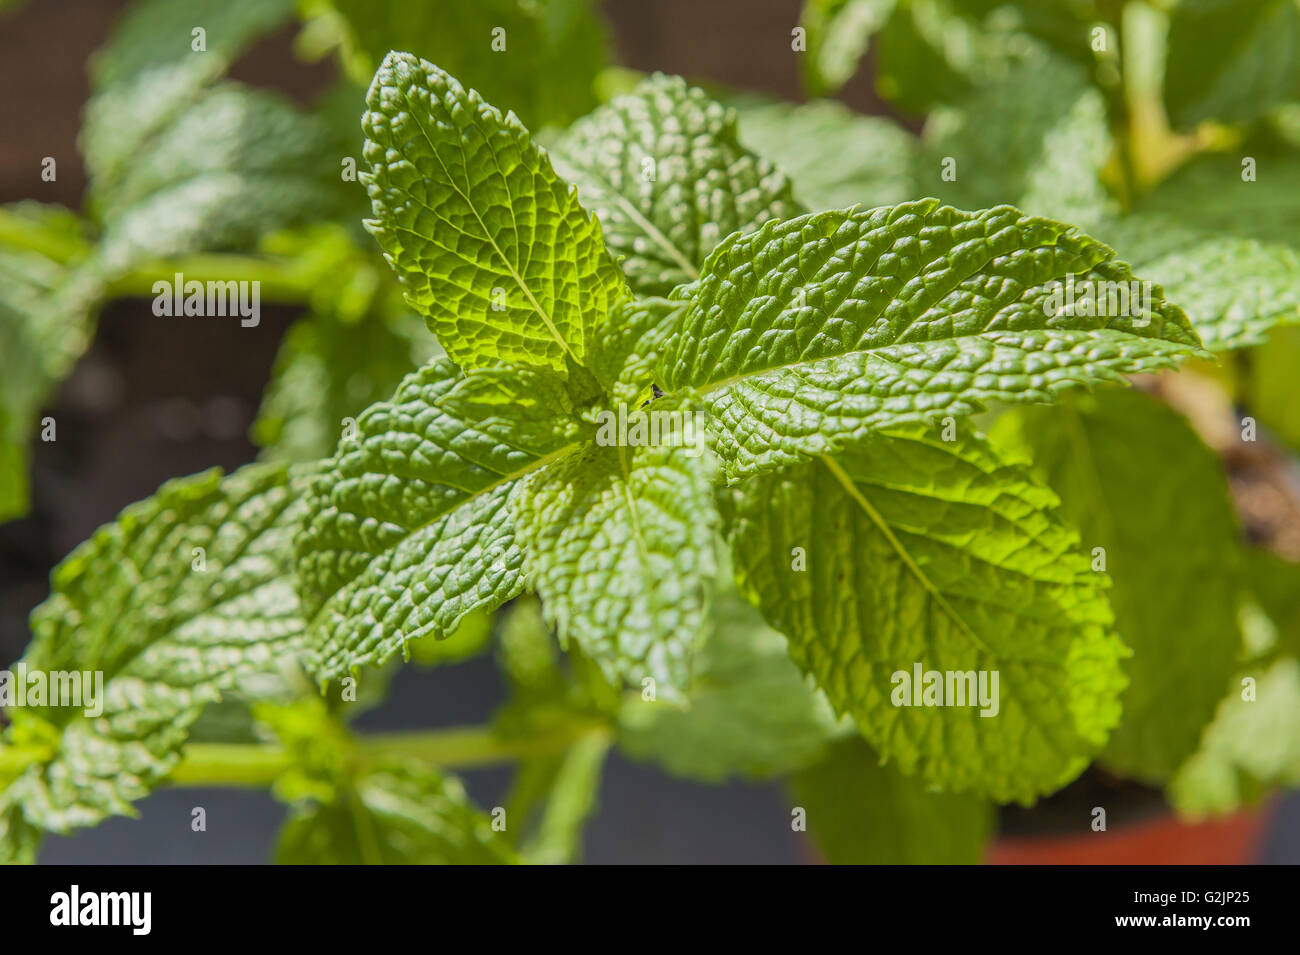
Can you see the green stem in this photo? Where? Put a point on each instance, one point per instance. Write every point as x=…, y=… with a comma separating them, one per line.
x=468, y=747
x=1119, y=112
x=15, y=758
x=1127, y=166
x=278, y=280
x=19, y=232
x=231, y=764
x=258, y=765
x=1118, y=107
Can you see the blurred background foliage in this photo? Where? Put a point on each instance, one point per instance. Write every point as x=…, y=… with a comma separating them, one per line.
x=1128, y=119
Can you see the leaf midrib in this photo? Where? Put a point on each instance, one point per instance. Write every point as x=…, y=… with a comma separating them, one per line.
x=879, y=352
x=515, y=475
x=537, y=307
x=855, y=493
x=630, y=499
x=633, y=213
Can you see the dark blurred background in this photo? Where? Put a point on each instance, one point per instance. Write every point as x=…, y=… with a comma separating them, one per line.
x=152, y=400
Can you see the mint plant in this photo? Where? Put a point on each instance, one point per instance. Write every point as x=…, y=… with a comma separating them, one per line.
x=925, y=553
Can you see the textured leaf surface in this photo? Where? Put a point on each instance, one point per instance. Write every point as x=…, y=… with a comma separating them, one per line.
x=750, y=711
x=400, y=815
x=807, y=334
x=1231, y=60
x=863, y=813
x=625, y=359
x=1137, y=481
x=662, y=170
x=168, y=637
x=1226, y=250
x=834, y=157
x=408, y=527
x=490, y=245
x=618, y=544
x=942, y=554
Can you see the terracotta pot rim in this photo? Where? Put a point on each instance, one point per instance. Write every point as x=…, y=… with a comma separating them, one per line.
x=1159, y=839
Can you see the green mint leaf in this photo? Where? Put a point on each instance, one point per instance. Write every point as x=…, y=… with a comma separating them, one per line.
x=662, y=170
x=809, y=333
x=491, y=246
x=1250, y=746
x=398, y=815
x=183, y=597
x=408, y=526
x=1172, y=557
x=860, y=812
x=912, y=553
x=149, y=72
x=1225, y=249
x=618, y=544
x=625, y=359
x=1231, y=60
x=543, y=63
x=834, y=156
x=750, y=711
